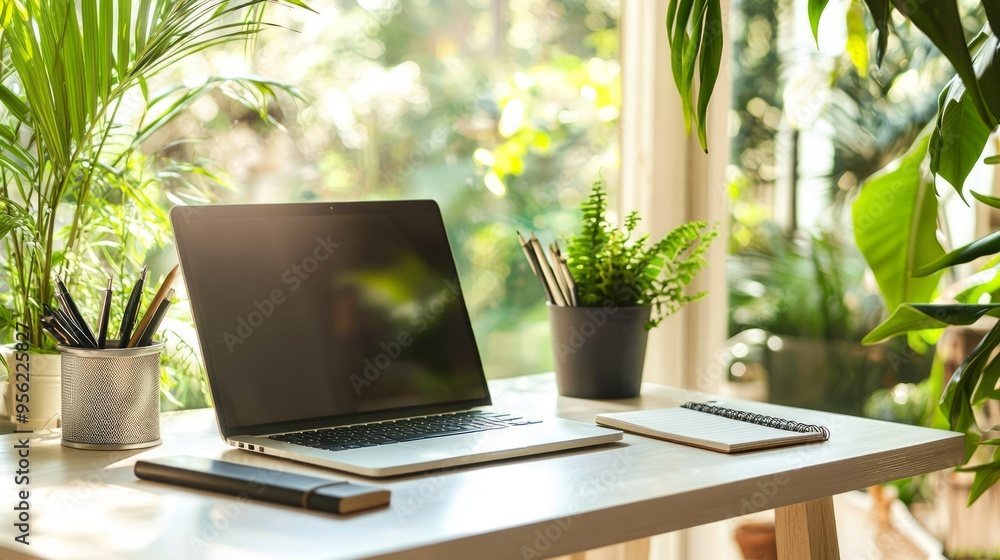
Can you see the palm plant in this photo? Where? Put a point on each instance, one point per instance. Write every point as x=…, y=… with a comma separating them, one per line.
x=896, y=215
x=77, y=195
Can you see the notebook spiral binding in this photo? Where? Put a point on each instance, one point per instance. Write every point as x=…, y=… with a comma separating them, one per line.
x=760, y=419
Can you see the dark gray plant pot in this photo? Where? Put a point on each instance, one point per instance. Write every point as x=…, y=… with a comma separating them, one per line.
x=599, y=351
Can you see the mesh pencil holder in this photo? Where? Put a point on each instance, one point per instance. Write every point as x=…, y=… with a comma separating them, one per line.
x=111, y=397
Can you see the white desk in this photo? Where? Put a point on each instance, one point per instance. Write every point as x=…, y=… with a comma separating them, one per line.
x=89, y=504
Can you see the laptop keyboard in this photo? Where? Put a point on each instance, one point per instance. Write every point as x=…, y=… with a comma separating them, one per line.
x=409, y=429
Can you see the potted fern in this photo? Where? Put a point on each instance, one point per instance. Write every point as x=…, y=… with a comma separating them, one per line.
x=625, y=286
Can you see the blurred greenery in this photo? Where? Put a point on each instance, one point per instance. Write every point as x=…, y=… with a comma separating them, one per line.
x=502, y=111
x=809, y=125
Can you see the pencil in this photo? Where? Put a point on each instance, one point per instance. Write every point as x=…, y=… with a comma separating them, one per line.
x=557, y=272
x=153, y=307
x=529, y=253
x=154, y=322
x=550, y=279
x=563, y=267
x=570, y=282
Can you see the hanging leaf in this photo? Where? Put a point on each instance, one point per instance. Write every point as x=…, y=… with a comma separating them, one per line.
x=959, y=136
x=880, y=12
x=711, y=60
x=678, y=43
x=816, y=8
x=987, y=67
x=942, y=24
x=694, y=28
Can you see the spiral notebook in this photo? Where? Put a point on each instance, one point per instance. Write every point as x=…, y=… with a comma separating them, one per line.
x=715, y=427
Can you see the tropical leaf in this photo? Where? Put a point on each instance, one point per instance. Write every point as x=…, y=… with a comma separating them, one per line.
x=816, y=8
x=13, y=104
x=942, y=24
x=694, y=28
x=709, y=63
x=987, y=199
x=917, y=317
x=986, y=388
x=880, y=12
x=895, y=219
x=979, y=248
x=959, y=136
x=992, y=10
x=986, y=63
x=63, y=146
x=986, y=476
x=956, y=402
x=253, y=92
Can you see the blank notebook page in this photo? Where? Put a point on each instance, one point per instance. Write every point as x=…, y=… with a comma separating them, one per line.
x=701, y=429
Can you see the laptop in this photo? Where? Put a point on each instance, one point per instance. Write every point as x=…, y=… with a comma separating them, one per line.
x=337, y=334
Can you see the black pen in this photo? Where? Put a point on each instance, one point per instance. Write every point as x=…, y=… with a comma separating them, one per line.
x=63, y=305
x=102, y=328
x=74, y=312
x=75, y=334
x=131, y=309
x=157, y=318
x=55, y=331
x=53, y=320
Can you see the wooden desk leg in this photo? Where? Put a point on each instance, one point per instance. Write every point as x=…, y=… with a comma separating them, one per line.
x=807, y=531
x=637, y=549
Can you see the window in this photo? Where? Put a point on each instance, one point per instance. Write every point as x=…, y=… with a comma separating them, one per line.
x=809, y=125
x=502, y=111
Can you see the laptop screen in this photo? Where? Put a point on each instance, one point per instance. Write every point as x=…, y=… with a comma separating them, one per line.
x=320, y=311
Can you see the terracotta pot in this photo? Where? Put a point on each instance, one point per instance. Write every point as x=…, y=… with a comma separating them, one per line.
x=757, y=541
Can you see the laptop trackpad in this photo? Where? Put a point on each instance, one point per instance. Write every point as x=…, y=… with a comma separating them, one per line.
x=493, y=441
